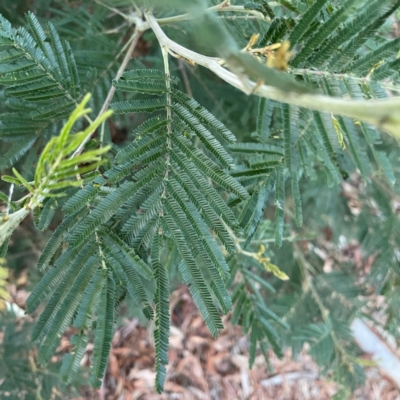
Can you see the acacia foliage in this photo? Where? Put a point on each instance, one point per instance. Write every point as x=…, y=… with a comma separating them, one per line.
x=188, y=198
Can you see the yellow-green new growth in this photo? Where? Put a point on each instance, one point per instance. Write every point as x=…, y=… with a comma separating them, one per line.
x=58, y=167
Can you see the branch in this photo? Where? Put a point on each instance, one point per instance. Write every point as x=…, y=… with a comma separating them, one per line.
x=287, y=377
x=133, y=42
x=380, y=351
x=305, y=268
x=383, y=114
x=168, y=96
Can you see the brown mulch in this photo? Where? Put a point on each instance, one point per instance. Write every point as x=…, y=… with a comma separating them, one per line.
x=202, y=367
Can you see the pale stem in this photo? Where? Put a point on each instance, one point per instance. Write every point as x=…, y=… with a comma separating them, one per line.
x=114, y=10
x=121, y=69
x=165, y=54
x=382, y=113
x=168, y=85
x=185, y=78
x=9, y=199
x=134, y=39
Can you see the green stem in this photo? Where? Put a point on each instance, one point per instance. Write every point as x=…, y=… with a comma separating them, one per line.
x=292, y=238
x=305, y=267
x=222, y=7
x=168, y=108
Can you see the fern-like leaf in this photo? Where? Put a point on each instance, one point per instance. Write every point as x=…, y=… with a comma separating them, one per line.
x=162, y=321
x=104, y=330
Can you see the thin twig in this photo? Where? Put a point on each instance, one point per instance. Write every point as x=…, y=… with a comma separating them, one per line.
x=292, y=238
x=110, y=95
x=169, y=113
x=289, y=376
x=168, y=85
x=185, y=78
x=13, y=221
x=114, y=10
x=235, y=17
x=114, y=30
x=222, y=7
x=124, y=64
x=305, y=268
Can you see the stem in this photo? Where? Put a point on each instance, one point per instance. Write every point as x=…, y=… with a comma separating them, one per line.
x=382, y=113
x=305, y=267
x=124, y=64
x=164, y=51
x=168, y=85
x=185, y=78
x=134, y=39
x=292, y=238
x=98, y=241
x=235, y=17
x=115, y=30
x=10, y=224
x=114, y=10
x=9, y=200
x=222, y=7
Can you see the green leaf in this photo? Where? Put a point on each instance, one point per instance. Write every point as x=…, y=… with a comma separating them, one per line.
x=63, y=318
x=209, y=168
x=101, y=214
x=162, y=320
x=213, y=197
x=22, y=180
x=252, y=148
x=326, y=29
x=305, y=21
x=264, y=117
x=198, y=234
x=132, y=281
x=15, y=153
x=203, y=115
x=193, y=278
x=272, y=335
x=254, y=207
x=71, y=361
x=141, y=87
x=126, y=256
x=104, y=331
x=87, y=308
x=66, y=270
x=145, y=75
x=56, y=239
x=133, y=106
x=208, y=140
